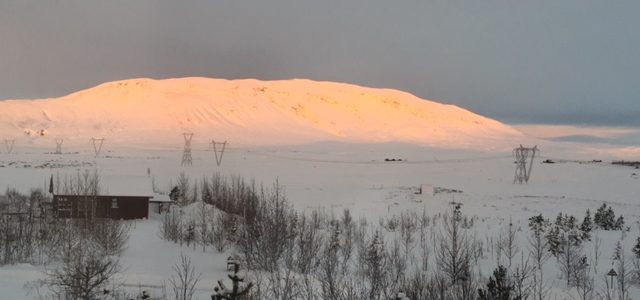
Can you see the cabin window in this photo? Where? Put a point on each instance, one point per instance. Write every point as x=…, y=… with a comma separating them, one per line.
x=64, y=207
x=114, y=203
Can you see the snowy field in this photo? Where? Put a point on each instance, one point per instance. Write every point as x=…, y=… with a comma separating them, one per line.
x=333, y=177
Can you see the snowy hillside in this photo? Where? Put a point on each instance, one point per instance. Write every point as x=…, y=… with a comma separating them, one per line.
x=248, y=112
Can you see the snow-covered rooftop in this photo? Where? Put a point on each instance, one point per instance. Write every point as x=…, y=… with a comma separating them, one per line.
x=126, y=186
x=161, y=198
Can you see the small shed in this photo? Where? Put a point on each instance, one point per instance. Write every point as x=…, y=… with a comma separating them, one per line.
x=160, y=203
x=426, y=191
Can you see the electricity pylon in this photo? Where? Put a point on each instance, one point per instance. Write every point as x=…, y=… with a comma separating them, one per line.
x=8, y=143
x=97, y=145
x=215, y=150
x=524, y=163
x=59, y=142
x=186, y=154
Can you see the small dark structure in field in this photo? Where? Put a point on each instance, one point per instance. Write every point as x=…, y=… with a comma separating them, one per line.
x=101, y=206
x=393, y=159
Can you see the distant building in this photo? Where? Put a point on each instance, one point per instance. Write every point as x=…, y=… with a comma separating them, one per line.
x=160, y=203
x=124, y=198
x=101, y=206
x=426, y=192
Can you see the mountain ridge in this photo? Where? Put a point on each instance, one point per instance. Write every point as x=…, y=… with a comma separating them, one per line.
x=248, y=111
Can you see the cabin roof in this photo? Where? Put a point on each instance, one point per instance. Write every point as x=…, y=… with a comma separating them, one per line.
x=131, y=185
x=161, y=198
x=119, y=185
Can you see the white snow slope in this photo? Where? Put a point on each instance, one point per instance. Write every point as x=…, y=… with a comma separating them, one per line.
x=249, y=112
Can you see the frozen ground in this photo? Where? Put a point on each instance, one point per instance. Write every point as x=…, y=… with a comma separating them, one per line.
x=334, y=177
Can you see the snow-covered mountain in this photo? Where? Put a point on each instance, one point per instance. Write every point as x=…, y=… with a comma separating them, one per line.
x=247, y=112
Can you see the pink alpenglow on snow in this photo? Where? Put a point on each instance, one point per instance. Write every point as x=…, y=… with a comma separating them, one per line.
x=249, y=112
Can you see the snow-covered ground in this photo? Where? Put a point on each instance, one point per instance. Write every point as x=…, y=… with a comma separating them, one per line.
x=337, y=176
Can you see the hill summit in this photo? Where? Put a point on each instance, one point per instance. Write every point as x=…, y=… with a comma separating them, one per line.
x=247, y=112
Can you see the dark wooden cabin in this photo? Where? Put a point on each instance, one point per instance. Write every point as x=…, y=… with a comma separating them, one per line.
x=101, y=206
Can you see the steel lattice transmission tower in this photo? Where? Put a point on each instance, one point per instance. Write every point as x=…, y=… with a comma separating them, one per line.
x=59, y=142
x=186, y=155
x=8, y=143
x=524, y=163
x=97, y=145
x=221, y=152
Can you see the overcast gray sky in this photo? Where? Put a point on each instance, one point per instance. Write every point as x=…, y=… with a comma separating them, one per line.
x=542, y=61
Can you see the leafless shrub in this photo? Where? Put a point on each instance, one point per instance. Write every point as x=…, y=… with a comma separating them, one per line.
x=172, y=228
x=453, y=247
x=85, y=183
x=397, y=265
x=283, y=282
x=184, y=280
x=186, y=193
x=425, y=249
x=205, y=217
x=509, y=244
x=624, y=269
x=417, y=285
x=585, y=285
x=220, y=240
x=538, y=244
x=111, y=235
x=571, y=259
x=331, y=278
x=308, y=244
x=374, y=264
x=85, y=271
x=265, y=239
x=597, y=252
x=522, y=278
x=348, y=236
x=541, y=290
x=408, y=227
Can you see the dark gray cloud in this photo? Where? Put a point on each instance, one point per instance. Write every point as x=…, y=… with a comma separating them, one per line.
x=570, y=61
x=630, y=139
